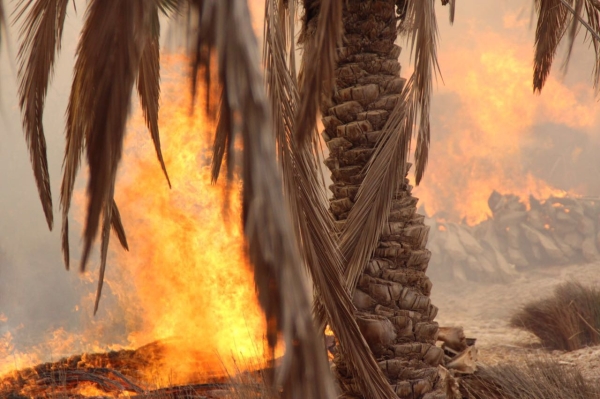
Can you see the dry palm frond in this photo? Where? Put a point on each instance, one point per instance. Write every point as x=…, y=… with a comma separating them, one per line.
x=551, y=26
x=117, y=226
x=424, y=47
x=452, y=10
x=313, y=222
x=41, y=34
x=112, y=218
x=386, y=169
x=108, y=59
x=555, y=18
x=317, y=78
x=2, y=22
x=224, y=27
x=148, y=84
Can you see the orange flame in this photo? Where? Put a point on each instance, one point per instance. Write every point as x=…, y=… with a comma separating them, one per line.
x=482, y=127
x=187, y=261
x=186, y=281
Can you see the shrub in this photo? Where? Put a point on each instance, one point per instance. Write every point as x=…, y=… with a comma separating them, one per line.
x=567, y=320
x=539, y=379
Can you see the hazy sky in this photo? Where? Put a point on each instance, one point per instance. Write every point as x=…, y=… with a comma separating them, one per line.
x=486, y=125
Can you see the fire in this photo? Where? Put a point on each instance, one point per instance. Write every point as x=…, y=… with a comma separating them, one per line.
x=187, y=263
x=483, y=129
x=186, y=282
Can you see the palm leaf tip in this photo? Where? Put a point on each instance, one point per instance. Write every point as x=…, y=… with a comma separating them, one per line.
x=320, y=35
x=148, y=84
x=556, y=18
x=40, y=40
x=2, y=22
x=114, y=37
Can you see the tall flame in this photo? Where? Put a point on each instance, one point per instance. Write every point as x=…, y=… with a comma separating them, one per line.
x=186, y=261
x=186, y=281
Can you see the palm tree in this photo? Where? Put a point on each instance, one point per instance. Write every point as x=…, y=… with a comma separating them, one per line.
x=367, y=256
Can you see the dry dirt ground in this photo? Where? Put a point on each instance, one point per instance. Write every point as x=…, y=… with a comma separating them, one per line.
x=484, y=311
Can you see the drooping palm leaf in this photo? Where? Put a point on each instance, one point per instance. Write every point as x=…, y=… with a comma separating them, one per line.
x=551, y=27
x=452, y=9
x=313, y=223
x=555, y=19
x=2, y=22
x=108, y=59
x=40, y=36
x=386, y=167
x=117, y=226
x=385, y=172
x=224, y=27
x=424, y=48
x=320, y=37
x=148, y=82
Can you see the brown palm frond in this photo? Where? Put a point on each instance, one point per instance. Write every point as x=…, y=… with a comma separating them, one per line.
x=386, y=168
x=306, y=196
x=551, y=26
x=424, y=48
x=148, y=83
x=75, y=144
x=320, y=37
x=117, y=226
x=452, y=10
x=575, y=24
x=384, y=174
x=592, y=26
x=168, y=7
x=592, y=8
x=41, y=32
x=555, y=18
x=222, y=143
x=224, y=26
x=2, y=22
x=106, y=223
x=108, y=59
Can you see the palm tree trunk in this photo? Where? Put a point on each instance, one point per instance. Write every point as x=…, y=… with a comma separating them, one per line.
x=394, y=310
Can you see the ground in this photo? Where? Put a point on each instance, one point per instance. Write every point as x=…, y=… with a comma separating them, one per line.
x=484, y=311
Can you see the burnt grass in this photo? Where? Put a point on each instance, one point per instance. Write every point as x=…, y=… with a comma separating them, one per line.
x=567, y=320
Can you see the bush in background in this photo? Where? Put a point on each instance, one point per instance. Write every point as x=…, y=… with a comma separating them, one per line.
x=567, y=320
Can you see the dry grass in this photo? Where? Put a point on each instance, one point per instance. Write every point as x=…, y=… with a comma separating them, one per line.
x=538, y=379
x=567, y=320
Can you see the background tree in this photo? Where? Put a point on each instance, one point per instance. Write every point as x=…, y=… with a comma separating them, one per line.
x=369, y=121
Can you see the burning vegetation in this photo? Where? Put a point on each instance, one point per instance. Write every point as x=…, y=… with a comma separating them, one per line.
x=184, y=295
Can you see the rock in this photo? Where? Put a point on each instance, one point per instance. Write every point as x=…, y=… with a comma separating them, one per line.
x=574, y=239
x=547, y=243
x=466, y=239
x=454, y=248
x=589, y=249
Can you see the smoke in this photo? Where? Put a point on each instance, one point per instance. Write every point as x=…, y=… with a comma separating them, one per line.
x=489, y=131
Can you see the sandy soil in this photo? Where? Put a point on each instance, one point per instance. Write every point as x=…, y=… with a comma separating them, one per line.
x=484, y=310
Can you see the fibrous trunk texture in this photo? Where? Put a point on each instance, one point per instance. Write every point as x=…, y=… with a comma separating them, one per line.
x=395, y=313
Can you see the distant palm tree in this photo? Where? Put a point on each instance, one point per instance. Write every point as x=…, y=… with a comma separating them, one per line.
x=367, y=256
